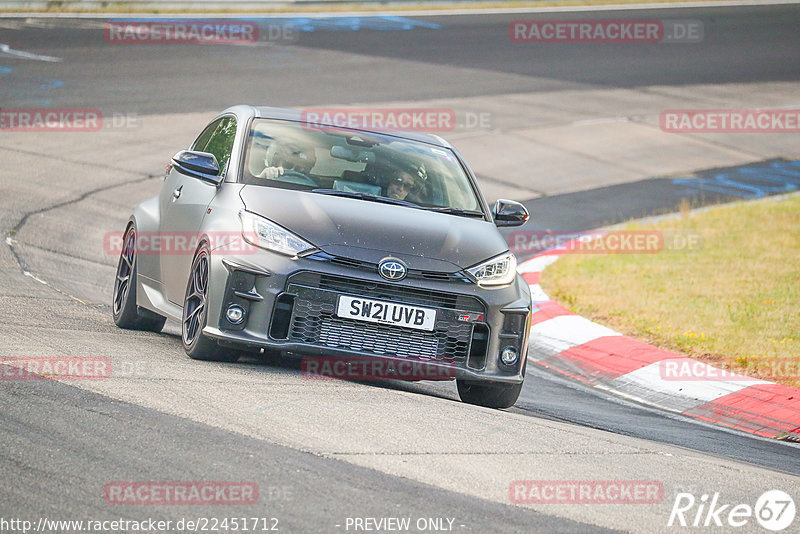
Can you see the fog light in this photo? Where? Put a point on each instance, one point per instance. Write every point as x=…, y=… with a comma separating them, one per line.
x=509, y=356
x=235, y=314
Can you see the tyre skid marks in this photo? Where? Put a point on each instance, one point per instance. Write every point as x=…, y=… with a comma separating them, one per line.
x=6, y=50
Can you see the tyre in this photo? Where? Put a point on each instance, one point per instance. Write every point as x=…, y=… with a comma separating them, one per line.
x=124, y=309
x=490, y=396
x=195, y=314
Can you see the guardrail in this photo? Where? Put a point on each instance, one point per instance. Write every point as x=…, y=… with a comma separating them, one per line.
x=56, y=6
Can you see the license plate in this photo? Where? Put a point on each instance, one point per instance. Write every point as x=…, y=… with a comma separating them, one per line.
x=391, y=313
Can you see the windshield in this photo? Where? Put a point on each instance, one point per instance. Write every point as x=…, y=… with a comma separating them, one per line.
x=364, y=165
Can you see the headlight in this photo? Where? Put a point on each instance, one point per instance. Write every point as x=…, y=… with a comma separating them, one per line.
x=498, y=271
x=266, y=234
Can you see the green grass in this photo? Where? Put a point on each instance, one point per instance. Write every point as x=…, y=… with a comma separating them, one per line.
x=733, y=302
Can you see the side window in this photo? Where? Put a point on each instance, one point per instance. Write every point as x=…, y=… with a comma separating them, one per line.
x=202, y=140
x=217, y=139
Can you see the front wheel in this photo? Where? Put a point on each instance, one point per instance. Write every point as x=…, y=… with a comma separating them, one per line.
x=123, y=306
x=195, y=313
x=490, y=396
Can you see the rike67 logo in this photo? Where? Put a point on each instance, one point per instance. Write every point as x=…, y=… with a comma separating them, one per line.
x=774, y=510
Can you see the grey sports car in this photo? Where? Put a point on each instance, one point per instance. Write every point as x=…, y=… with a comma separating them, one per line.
x=275, y=235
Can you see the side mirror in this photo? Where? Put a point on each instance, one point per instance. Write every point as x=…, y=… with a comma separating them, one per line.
x=509, y=213
x=200, y=165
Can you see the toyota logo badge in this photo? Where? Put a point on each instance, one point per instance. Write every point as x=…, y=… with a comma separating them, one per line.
x=392, y=269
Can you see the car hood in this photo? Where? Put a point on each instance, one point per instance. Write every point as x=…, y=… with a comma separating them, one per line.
x=370, y=231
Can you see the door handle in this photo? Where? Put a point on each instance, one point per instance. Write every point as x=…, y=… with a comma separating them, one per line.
x=176, y=194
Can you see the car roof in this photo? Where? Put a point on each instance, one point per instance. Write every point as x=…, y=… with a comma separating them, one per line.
x=266, y=112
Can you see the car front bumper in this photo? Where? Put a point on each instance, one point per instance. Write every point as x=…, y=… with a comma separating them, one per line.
x=289, y=305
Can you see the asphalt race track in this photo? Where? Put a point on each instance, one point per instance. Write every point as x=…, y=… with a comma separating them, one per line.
x=325, y=452
x=453, y=56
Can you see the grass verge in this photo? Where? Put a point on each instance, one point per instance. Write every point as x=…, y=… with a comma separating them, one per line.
x=732, y=300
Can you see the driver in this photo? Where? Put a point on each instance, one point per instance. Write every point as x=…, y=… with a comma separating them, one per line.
x=406, y=180
x=288, y=156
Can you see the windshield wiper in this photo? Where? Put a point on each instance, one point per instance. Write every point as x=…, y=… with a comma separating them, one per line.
x=458, y=211
x=365, y=196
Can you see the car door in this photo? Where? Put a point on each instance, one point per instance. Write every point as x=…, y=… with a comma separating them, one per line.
x=184, y=203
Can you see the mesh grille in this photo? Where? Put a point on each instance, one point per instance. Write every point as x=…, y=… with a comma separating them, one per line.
x=340, y=333
x=314, y=322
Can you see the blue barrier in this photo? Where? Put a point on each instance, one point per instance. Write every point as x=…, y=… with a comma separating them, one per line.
x=312, y=24
x=748, y=182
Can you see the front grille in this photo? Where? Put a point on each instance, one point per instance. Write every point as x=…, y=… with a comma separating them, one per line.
x=373, y=268
x=314, y=319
